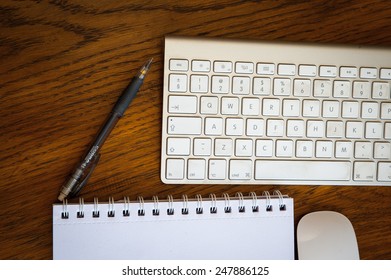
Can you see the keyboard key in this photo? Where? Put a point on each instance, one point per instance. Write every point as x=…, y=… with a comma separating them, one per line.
x=182, y=104
x=284, y=148
x=240, y=169
x=223, y=147
x=385, y=73
x=265, y=69
x=386, y=111
x=322, y=88
x=350, y=109
x=330, y=109
x=178, y=146
x=328, y=71
x=179, y=64
x=295, y=128
x=307, y=70
x=302, y=170
x=382, y=150
x=381, y=90
x=304, y=149
x=348, y=72
x=361, y=89
x=255, y=127
x=302, y=87
x=178, y=83
x=196, y=169
x=343, y=149
x=213, y=126
x=229, y=106
x=342, y=89
x=234, y=127
x=222, y=66
x=387, y=131
x=324, y=149
x=369, y=110
x=315, y=129
x=220, y=84
x=335, y=129
x=209, y=105
x=264, y=148
x=354, y=130
x=364, y=171
x=199, y=83
x=373, y=130
x=291, y=108
x=241, y=85
x=244, y=67
x=202, y=147
x=384, y=173
x=250, y=106
x=368, y=73
x=217, y=169
x=286, y=69
x=311, y=108
x=261, y=86
x=270, y=107
x=275, y=128
x=184, y=125
x=282, y=87
x=200, y=65
x=175, y=169
x=244, y=148
x=363, y=150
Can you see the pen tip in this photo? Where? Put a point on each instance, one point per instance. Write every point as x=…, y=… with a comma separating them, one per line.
x=148, y=63
x=145, y=68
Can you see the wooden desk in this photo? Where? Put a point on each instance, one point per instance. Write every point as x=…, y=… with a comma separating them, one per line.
x=63, y=65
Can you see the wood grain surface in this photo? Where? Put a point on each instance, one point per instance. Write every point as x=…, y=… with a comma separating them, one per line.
x=64, y=63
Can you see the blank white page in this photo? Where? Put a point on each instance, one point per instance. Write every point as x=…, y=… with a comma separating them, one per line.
x=236, y=235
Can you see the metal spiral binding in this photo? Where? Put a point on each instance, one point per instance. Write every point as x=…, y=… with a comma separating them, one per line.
x=241, y=206
x=80, y=213
x=255, y=206
x=155, y=210
x=269, y=206
x=141, y=210
x=185, y=208
x=199, y=209
x=170, y=209
x=213, y=207
x=281, y=203
x=227, y=207
x=126, y=212
x=65, y=213
x=95, y=213
x=111, y=211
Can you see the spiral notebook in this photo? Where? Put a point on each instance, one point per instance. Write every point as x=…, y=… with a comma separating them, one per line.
x=240, y=227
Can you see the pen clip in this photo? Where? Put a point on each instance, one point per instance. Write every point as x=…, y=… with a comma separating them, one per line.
x=78, y=188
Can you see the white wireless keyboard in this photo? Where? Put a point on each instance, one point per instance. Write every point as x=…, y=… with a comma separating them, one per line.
x=244, y=112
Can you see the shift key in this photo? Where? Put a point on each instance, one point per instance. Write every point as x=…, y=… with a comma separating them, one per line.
x=184, y=125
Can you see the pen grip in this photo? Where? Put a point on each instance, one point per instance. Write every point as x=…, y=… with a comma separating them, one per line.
x=127, y=96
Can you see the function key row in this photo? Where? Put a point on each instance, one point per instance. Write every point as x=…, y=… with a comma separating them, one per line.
x=283, y=69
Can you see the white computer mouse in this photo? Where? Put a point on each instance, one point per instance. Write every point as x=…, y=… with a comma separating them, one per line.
x=326, y=235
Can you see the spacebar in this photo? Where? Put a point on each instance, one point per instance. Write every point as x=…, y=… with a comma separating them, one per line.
x=302, y=170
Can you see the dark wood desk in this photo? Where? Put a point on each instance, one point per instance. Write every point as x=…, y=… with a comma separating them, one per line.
x=64, y=63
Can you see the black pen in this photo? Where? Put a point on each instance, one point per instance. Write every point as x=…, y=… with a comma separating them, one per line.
x=84, y=169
